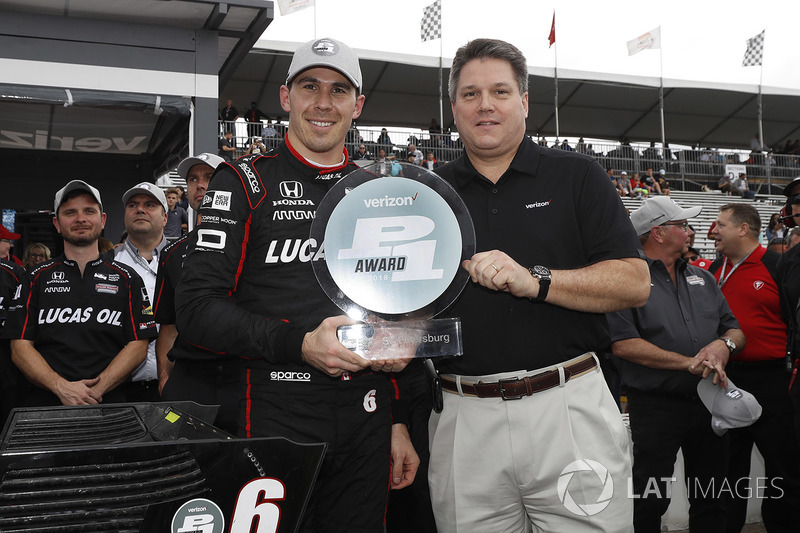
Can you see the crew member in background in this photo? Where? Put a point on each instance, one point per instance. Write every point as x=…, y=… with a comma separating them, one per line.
x=12, y=277
x=145, y=219
x=7, y=239
x=78, y=328
x=747, y=275
x=684, y=332
x=789, y=272
x=186, y=371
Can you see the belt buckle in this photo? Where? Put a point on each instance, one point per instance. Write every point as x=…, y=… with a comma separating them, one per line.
x=503, y=390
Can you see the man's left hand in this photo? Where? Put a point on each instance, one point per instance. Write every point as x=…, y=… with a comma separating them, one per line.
x=497, y=271
x=405, y=460
x=713, y=357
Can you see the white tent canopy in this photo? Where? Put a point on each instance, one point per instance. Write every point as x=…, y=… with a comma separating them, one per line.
x=403, y=90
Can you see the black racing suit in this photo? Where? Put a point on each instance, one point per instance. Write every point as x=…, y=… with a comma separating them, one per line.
x=197, y=375
x=12, y=277
x=79, y=323
x=248, y=290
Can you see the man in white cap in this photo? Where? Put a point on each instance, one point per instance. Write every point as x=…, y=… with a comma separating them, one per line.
x=248, y=290
x=145, y=211
x=78, y=329
x=186, y=371
x=685, y=331
x=623, y=184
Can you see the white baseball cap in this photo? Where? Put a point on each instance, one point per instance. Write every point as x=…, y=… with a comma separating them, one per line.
x=623, y=173
x=658, y=210
x=146, y=188
x=75, y=185
x=730, y=408
x=205, y=158
x=326, y=52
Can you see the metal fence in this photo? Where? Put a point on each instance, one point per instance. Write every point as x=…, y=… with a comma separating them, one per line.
x=686, y=168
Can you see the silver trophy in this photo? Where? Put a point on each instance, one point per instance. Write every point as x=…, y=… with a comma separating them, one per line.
x=393, y=247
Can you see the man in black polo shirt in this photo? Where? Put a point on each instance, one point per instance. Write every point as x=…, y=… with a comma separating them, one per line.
x=79, y=329
x=530, y=332
x=789, y=272
x=685, y=331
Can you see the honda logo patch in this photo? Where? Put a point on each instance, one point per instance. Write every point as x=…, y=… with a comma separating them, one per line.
x=291, y=189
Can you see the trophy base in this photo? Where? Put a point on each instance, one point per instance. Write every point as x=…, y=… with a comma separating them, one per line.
x=403, y=339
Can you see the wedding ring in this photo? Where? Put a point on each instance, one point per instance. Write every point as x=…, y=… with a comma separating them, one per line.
x=495, y=268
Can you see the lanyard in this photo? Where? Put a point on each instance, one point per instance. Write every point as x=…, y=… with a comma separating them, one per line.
x=723, y=279
x=141, y=261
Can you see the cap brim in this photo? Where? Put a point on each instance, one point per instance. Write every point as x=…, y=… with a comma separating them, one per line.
x=688, y=213
x=6, y=234
x=75, y=185
x=707, y=391
x=208, y=159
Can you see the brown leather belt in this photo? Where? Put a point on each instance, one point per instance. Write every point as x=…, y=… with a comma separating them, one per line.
x=516, y=388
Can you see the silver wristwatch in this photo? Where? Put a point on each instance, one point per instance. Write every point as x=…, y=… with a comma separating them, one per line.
x=729, y=343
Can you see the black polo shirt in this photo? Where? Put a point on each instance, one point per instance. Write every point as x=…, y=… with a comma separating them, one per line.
x=79, y=323
x=552, y=208
x=789, y=272
x=680, y=319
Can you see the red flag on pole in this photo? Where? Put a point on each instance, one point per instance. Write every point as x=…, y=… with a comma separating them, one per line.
x=553, y=30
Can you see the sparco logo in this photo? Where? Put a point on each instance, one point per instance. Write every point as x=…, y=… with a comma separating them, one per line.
x=538, y=204
x=250, y=177
x=291, y=189
x=290, y=376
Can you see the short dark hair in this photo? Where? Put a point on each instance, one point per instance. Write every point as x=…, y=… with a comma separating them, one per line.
x=744, y=214
x=488, y=49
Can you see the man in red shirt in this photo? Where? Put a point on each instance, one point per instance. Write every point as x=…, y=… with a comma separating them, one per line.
x=6, y=243
x=747, y=275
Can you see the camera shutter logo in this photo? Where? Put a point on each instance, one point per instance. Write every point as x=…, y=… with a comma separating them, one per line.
x=585, y=509
x=291, y=189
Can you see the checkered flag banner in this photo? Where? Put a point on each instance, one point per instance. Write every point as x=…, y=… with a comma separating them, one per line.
x=755, y=51
x=431, y=25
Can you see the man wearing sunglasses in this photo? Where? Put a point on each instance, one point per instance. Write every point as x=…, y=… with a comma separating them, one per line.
x=789, y=272
x=682, y=334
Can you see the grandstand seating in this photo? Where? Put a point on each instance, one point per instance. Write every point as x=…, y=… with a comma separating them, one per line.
x=766, y=205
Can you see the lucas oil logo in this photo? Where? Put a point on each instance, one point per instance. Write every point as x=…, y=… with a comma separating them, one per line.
x=79, y=315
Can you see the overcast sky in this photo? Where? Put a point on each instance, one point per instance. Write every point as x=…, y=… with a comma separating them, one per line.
x=701, y=40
